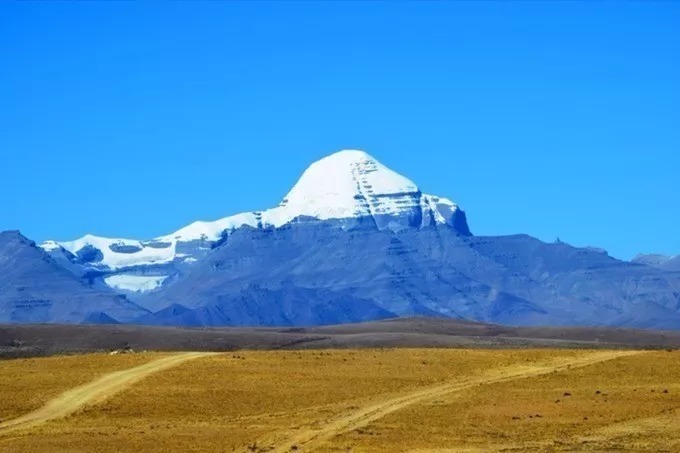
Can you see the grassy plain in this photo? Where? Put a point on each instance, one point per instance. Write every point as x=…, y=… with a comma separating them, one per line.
x=26, y=384
x=377, y=400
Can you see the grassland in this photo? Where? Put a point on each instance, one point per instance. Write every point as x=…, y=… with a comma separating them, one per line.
x=605, y=406
x=376, y=401
x=26, y=384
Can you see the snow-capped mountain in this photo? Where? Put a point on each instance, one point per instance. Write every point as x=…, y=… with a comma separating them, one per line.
x=348, y=187
x=351, y=241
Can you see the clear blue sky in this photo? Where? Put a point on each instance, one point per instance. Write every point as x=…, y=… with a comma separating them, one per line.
x=547, y=118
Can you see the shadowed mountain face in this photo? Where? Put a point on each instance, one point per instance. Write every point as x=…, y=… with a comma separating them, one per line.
x=432, y=271
x=260, y=306
x=34, y=288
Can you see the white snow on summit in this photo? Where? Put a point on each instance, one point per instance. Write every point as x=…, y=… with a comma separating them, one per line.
x=346, y=184
x=343, y=185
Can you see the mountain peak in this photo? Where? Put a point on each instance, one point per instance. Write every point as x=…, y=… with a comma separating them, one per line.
x=347, y=184
x=14, y=236
x=348, y=154
x=11, y=234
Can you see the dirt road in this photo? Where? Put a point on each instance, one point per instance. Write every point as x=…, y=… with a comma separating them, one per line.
x=641, y=431
x=95, y=391
x=306, y=438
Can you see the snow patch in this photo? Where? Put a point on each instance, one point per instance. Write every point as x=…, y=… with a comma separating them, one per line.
x=135, y=283
x=48, y=246
x=113, y=260
x=210, y=231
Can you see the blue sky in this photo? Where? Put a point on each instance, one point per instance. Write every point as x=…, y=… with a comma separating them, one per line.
x=547, y=118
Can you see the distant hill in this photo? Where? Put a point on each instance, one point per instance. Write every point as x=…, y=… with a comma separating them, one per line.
x=35, y=289
x=49, y=339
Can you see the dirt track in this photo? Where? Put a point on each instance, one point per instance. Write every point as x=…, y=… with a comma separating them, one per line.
x=95, y=391
x=307, y=438
x=659, y=425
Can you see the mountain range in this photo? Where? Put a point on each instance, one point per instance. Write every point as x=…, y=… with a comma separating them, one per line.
x=351, y=241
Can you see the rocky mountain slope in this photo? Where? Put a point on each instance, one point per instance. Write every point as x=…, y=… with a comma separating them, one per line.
x=34, y=288
x=433, y=271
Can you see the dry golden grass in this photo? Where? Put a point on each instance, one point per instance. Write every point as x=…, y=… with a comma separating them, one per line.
x=26, y=384
x=599, y=407
x=257, y=400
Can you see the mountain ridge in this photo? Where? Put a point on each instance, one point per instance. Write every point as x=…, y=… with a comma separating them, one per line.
x=513, y=280
x=348, y=186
